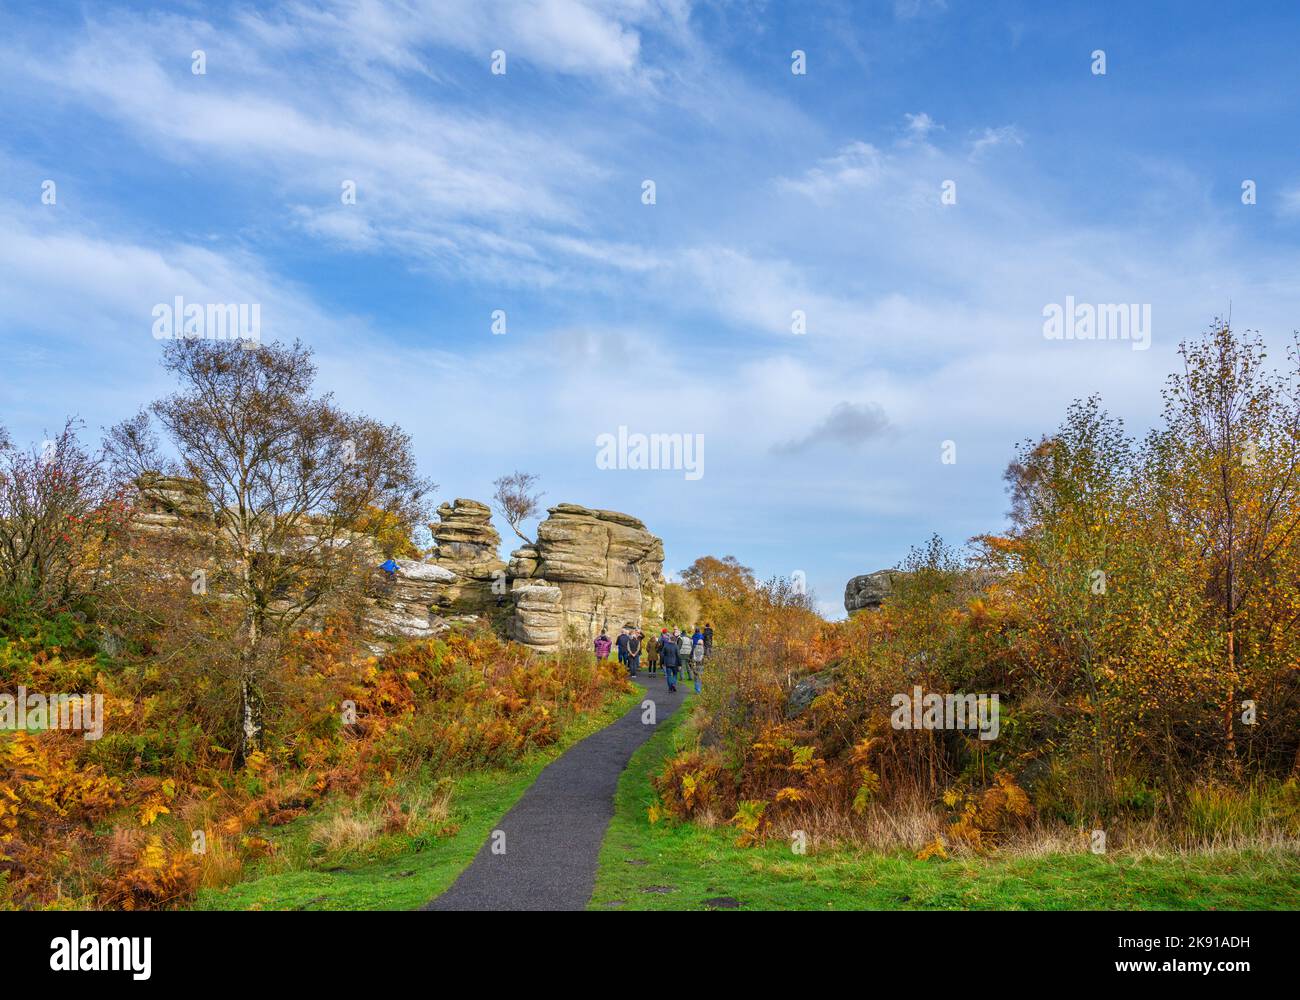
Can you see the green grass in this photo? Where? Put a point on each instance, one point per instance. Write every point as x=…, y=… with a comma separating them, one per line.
x=396, y=872
x=671, y=866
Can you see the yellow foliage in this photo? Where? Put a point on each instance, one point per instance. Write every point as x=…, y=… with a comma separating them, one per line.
x=150, y=811
x=934, y=849
x=750, y=819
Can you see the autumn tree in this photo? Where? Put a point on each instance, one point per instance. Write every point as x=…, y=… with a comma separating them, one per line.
x=720, y=587
x=288, y=476
x=1226, y=466
x=680, y=606
x=59, y=513
x=1070, y=498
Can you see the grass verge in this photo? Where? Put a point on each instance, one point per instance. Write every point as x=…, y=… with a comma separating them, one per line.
x=685, y=867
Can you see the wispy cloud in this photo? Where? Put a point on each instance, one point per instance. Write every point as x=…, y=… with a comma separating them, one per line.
x=858, y=164
x=990, y=138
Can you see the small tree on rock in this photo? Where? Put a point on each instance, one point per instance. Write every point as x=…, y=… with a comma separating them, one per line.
x=515, y=500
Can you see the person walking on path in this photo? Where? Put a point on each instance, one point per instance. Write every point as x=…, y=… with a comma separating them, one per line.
x=634, y=654
x=652, y=655
x=697, y=658
x=708, y=639
x=602, y=646
x=670, y=661
x=684, y=652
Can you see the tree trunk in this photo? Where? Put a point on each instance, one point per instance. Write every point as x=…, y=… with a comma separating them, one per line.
x=250, y=701
x=1229, y=732
x=250, y=716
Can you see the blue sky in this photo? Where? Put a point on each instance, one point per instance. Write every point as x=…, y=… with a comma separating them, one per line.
x=775, y=192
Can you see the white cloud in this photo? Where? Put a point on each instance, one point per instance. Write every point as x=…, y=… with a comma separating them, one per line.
x=566, y=36
x=857, y=164
x=992, y=137
x=919, y=126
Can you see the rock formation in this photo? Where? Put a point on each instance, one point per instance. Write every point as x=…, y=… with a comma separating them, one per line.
x=869, y=590
x=589, y=569
x=168, y=502
x=176, y=513
x=401, y=603
x=607, y=568
x=466, y=544
x=539, y=616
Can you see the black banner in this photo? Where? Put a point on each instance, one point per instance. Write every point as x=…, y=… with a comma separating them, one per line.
x=146, y=950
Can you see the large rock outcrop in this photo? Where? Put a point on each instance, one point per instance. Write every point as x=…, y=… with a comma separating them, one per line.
x=607, y=568
x=869, y=590
x=589, y=569
x=175, y=514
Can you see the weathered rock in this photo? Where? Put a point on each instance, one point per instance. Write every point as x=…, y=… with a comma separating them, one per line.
x=173, y=495
x=806, y=692
x=539, y=616
x=168, y=503
x=402, y=602
x=607, y=567
x=869, y=590
x=466, y=543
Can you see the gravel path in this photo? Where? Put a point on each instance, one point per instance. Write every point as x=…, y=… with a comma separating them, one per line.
x=554, y=832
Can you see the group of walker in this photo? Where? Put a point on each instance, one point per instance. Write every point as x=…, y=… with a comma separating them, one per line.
x=677, y=650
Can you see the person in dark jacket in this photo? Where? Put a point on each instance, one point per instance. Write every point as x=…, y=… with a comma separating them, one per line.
x=670, y=661
x=634, y=654
x=621, y=643
x=708, y=639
